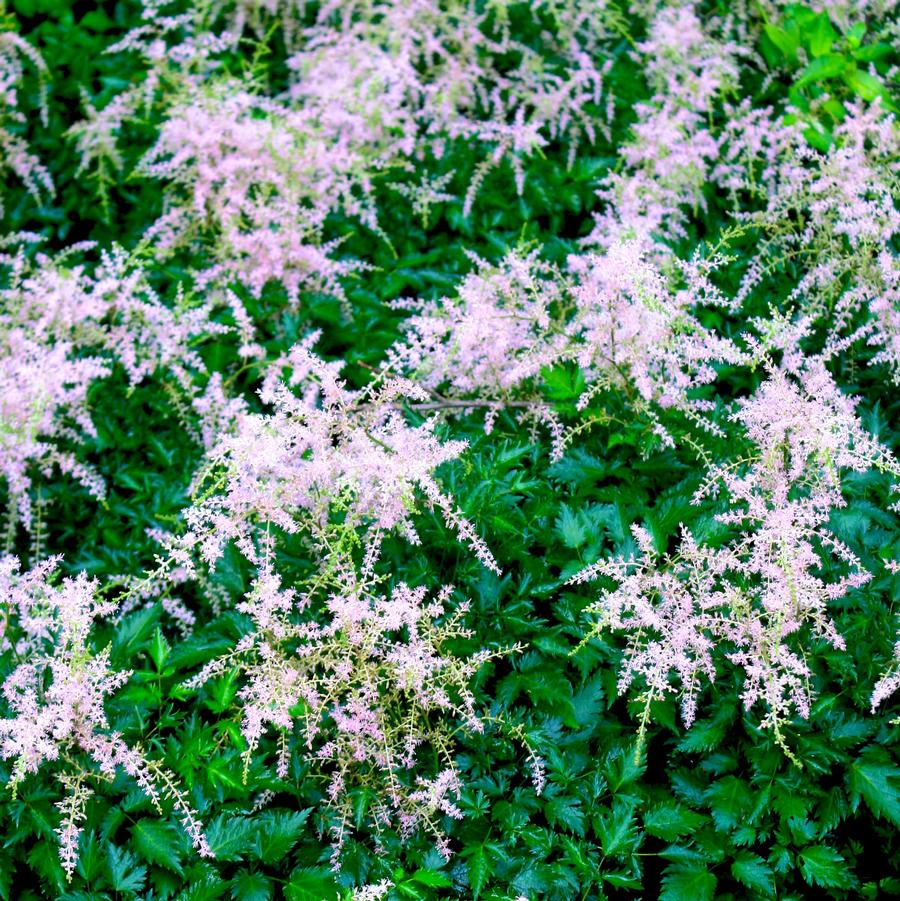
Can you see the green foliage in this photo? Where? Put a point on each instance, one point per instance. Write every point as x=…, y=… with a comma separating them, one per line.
x=828, y=67
x=159, y=843
x=713, y=812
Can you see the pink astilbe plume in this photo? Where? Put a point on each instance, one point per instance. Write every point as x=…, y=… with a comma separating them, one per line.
x=484, y=346
x=374, y=85
x=834, y=214
x=177, y=50
x=491, y=336
x=758, y=598
x=439, y=73
x=265, y=177
x=331, y=449
x=634, y=331
x=109, y=308
x=55, y=694
x=64, y=326
x=365, y=672
x=378, y=688
x=15, y=154
x=373, y=892
x=43, y=399
x=672, y=151
x=888, y=683
x=614, y=315
x=669, y=617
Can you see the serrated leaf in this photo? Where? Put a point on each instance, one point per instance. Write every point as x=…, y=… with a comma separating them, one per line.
x=480, y=866
x=431, y=878
x=571, y=528
x=311, y=885
x=876, y=779
x=207, y=888
x=567, y=813
x=198, y=649
x=671, y=819
x=158, y=842
x=729, y=801
x=90, y=858
x=125, y=872
x=278, y=832
x=251, y=887
x=587, y=703
x=706, y=735
x=823, y=866
x=133, y=630
x=751, y=870
x=159, y=649
x=622, y=769
x=616, y=829
x=227, y=772
x=688, y=883
x=230, y=837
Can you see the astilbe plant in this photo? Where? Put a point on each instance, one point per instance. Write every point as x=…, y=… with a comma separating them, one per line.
x=484, y=346
x=15, y=154
x=374, y=85
x=757, y=597
x=270, y=129
x=331, y=449
x=672, y=152
x=264, y=178
x=456, y=70
x=445, y=71
x=365, y=671
x=834, y=212
x=111, y=309
x=64, y=326
x=177, y=53
x=636, y=330
x=54, y=695
x=373, y=892
x=613, y=314
x=370, y=681
x=890, y=680
x=43, y=398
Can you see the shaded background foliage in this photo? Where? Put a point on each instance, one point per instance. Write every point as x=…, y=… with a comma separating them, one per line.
x=714, y=812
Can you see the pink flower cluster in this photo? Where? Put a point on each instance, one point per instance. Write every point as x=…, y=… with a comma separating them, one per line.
x=15, y=154
x=265, y=177
x=357, y=662
x=374, y=87
x=329, y=449
x=62, y=327
x=758, y=597
x=671, y=156
x=340, y=469
x=613, y=314
x=835, y=213
x=434, y=73
x=481, y=347
x=375, y=684
x=55, y=699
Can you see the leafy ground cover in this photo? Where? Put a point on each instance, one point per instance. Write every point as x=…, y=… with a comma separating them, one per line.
x=449, y=450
